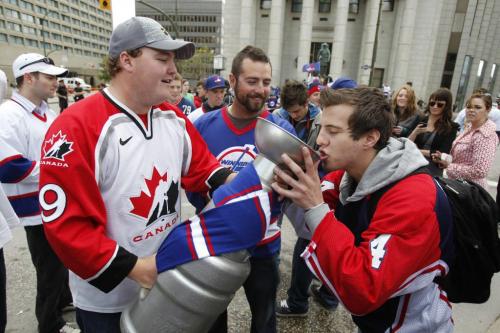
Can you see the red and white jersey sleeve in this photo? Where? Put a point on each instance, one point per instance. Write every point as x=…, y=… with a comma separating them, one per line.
x=110, y=191
x=399, y=251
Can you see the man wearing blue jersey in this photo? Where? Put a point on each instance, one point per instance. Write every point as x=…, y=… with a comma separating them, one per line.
x=229, y=133
x=174, y=96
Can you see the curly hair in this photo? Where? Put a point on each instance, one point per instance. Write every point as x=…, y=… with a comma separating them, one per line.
x=410, y=109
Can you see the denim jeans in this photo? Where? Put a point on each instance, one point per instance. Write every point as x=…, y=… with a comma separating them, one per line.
x=260, y=289
x=301, y=280
x=96, y=322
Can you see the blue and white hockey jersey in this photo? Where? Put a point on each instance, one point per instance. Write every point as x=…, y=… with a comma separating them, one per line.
x=235, y=148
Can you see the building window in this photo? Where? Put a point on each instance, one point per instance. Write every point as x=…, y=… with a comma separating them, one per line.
x=53, y=3
x=14, y=27
x=464, y=81
x=28, y=18
x=11, y=13
x=12, y=2
x=29, y=30
x=325, y=6
x=3, y=38
x=353, y=6
x=31, y=42
x=387, y=5
x=17, y=40
x=481, y=69
x=493, y=78
x=296, y=6
x=41, y=10
x=265, y=4
x=26, y=5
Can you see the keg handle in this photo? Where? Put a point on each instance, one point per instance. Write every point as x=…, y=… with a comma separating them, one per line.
x=143, y=293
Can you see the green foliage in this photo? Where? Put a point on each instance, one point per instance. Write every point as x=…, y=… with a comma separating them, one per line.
x=199, y=66
x=103, y=70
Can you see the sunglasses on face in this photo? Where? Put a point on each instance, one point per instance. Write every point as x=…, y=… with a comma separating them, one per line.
x=47, y=61
x=438, y=104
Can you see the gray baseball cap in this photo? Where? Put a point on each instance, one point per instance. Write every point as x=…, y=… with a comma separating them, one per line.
x=140, y=31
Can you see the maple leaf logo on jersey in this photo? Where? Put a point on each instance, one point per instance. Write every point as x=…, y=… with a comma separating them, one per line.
x=159, y=201
x=57, y=147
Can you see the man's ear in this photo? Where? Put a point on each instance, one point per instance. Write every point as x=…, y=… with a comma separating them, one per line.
x=371, y=138
x=126, y=61
x=29, y=78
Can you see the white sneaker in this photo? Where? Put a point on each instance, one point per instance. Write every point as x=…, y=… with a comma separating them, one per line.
x=68, y=329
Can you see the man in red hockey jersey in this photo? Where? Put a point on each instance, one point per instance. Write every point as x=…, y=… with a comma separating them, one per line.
x=111, y=170
x=379, y=258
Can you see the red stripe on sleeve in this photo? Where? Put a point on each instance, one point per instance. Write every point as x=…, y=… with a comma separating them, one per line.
x=206, y=235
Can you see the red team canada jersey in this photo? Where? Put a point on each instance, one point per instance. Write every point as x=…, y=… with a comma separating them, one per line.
x=109, y=190
x=383, y=268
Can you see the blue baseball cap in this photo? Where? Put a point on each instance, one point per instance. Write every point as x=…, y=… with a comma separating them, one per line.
x=343, y=82
x=214, y=82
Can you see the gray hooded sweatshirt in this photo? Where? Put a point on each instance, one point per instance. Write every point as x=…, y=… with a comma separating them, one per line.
x=394, y=162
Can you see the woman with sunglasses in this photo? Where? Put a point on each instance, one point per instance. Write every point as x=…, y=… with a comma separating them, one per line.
x=405, y=111
x=437, y=131
x=473, y=151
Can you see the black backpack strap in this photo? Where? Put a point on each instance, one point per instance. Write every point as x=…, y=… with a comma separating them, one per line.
x=375, y=196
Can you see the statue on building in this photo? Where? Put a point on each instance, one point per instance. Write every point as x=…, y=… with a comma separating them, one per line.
x=324, y=59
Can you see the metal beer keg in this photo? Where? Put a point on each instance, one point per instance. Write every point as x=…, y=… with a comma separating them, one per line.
x=190, y=297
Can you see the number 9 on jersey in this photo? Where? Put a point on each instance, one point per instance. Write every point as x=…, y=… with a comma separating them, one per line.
x=53, y=201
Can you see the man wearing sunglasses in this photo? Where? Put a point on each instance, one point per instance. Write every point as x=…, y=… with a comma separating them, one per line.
x=24, y=120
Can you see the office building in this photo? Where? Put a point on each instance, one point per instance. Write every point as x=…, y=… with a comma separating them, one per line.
x=75, y=33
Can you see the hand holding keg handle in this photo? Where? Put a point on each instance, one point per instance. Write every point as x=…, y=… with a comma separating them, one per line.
x=144, y=271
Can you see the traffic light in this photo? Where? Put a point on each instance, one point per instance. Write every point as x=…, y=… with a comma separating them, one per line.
x=105, y=4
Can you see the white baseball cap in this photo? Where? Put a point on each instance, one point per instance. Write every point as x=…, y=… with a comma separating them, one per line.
x=34, y=62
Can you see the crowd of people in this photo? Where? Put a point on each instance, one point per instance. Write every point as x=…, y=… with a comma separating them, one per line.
x=76, y=182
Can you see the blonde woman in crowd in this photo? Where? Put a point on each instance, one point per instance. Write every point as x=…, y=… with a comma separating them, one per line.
x=473, y=151
x=405, y=110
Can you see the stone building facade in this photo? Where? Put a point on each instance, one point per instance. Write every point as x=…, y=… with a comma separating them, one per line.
x=431, y=43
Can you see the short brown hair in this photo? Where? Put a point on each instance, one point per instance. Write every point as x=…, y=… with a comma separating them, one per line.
x=293, y=93
x=20, y=79
x=113, y=64
x=485, y=97
x=371, y=111
x=251, y=52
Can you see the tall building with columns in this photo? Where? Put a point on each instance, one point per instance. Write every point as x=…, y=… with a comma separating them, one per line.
x=431, y=43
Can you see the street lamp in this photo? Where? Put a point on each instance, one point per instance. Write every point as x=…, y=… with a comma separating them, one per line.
x=174, y=26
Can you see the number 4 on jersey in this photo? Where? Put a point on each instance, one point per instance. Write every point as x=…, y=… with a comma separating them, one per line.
x=377, y=249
